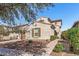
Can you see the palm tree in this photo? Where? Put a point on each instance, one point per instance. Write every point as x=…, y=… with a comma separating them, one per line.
x=10, y=11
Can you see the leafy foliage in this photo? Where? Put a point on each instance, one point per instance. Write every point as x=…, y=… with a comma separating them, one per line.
x=53, y=37
x=10, y=11
x=59, y=48
x=73, y=36
x=64, y=35
x=5, y=33
x=1, y=29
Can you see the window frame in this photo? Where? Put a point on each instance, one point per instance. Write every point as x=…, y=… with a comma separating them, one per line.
x=34, y=34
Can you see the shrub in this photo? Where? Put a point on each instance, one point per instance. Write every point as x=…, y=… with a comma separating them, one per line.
x=58, y=48
x=73, y=36
x=64, y=35
x=30, y=41
x=76, y=48
x=5, y=33
x=53, y=37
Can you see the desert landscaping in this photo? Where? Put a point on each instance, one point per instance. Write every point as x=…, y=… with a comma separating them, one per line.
x=52, y=47
x=26, y=31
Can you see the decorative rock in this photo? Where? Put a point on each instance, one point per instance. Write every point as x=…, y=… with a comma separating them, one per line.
x=13, y=52
x=10, y=52
x=23, y=48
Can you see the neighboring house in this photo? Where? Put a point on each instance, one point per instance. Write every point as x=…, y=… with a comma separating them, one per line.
x=21, y=27
x=76, y=24
x=41, y=29
x=6, y=28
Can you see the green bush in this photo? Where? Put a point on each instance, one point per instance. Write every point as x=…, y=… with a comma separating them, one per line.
x=76, y=48
x=58, y=48
x=73, y=36
x=64, y=35
x=53, y=37
x=30, y=41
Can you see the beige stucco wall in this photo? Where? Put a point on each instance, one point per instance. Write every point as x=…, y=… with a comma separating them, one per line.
x=46, y=31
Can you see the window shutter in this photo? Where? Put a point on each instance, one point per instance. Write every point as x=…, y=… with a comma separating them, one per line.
x=32, y=32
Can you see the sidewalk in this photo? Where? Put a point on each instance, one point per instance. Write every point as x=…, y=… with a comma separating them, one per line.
x=4, y=42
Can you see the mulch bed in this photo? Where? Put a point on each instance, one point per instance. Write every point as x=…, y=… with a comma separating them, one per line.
x=63, y=54
x=27, y=46
x=56, y=54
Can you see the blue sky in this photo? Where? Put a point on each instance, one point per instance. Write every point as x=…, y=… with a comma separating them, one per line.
x=69, y=13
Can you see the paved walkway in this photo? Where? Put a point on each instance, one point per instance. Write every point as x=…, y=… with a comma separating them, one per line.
x=51, y=46
x=4, y=42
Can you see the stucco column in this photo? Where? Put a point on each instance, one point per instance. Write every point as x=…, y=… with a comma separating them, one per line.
x=57, y=29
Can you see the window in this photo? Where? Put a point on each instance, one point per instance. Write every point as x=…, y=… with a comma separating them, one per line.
x=36, y=32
